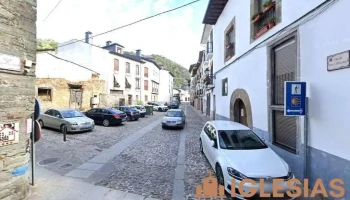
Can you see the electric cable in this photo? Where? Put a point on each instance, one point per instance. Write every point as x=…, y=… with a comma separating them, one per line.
x=53, y=10
x=132, y=23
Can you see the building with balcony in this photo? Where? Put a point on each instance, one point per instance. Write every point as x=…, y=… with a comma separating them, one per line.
x=261, y=44
x=196, y=86
x=208, y=78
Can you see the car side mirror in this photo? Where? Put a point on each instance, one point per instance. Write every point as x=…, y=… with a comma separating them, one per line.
x=212, y=143
x=58, y=116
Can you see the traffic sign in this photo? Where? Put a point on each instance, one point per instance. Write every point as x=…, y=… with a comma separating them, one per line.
x=294, y=98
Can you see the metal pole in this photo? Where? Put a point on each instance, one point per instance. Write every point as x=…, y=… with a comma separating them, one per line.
x=32, y=150
x=64, y=133
x=306, y=136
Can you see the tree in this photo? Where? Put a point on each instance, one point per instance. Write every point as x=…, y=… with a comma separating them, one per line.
x=46, y=44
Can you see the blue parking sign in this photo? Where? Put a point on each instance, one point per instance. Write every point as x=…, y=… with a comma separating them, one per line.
x=294, y=98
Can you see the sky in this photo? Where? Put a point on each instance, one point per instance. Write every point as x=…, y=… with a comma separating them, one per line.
x=175, y=35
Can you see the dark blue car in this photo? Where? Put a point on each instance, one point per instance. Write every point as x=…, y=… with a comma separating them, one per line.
x=174, y=105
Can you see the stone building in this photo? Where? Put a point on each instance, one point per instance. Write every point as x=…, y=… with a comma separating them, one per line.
x=62, y=83
x=17, y=93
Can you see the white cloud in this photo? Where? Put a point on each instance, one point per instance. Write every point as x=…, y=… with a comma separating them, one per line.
x=172, y=35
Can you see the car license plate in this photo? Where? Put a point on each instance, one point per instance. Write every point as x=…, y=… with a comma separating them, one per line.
x=124, y=119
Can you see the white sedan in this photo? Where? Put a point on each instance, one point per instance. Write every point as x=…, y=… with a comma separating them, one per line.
x=161, y=107
x=235, y=151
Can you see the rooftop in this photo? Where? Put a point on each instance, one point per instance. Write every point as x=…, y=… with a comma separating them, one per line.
x=214, y=10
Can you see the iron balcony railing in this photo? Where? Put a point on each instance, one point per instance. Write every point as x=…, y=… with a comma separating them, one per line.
x=209, y=47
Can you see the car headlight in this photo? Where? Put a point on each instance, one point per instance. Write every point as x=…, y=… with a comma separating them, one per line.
x=235, y=174
x=290, y=174
x=179, y=121
x=74, y=123
x=164, y=121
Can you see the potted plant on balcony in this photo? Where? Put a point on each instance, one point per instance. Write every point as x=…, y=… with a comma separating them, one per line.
x=268, y=5
x=256, y=17
x=262, y=30
x=272, y=23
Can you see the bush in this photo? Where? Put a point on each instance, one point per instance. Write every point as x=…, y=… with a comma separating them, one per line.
x=140, y=103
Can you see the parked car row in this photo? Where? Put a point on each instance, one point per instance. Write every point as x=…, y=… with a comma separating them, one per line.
x=164, y=106
x=75, y=121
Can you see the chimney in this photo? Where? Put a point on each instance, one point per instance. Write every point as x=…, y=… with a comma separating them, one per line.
x=108, y=43
x=87, y=36
x=138, y=53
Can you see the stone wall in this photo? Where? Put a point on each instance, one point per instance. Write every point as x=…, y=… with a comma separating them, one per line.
x=60, y=92
x=17, y=91
x=110, y=100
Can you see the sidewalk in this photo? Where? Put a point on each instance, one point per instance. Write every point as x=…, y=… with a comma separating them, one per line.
x=51, y=186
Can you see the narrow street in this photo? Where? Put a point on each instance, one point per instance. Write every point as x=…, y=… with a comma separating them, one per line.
x=137, y=157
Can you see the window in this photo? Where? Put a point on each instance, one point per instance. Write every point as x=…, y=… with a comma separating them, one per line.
x=224, y=87
x=92, y=110
x=230, y=40
x=146, y=98
x=265, y=14
x=128, y=68
x=129, y=99
x=119, y=50
x=145, y=85
x=57, y=114
x=116, y=65
x=138, y=83
x=49, y=112
x=127, y=84
x=240, y=139
x=72, y=114
x=284, y=63
x=137, y=70
x=146, y=72
x=115, y=82
x=137, y=97
x=44, y=94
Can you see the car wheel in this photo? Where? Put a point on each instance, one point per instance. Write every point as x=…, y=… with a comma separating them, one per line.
x=201, y=146
x=163, y=127
x=105, y=122
x=41, y=123
x=63, y=126
x=220, y=175
x=160, y=109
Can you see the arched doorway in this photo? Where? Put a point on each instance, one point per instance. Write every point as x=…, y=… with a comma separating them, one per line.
x=240, y=108
x=241, y=112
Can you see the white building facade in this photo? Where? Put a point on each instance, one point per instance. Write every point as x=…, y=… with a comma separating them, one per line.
x=288, y=41
x=133, y=78
x=166, y=86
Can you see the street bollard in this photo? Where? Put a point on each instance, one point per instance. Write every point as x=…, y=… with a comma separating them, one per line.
x=64, y=133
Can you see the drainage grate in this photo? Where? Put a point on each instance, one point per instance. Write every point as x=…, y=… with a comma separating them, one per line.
x=66, y=166
x=49, y=161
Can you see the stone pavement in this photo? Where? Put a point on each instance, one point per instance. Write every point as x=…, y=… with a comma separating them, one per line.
x=51, y=186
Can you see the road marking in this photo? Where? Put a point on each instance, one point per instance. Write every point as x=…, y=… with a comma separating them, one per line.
x=179, y=183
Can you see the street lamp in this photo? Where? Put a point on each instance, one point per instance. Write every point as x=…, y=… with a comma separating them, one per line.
x=206, y=71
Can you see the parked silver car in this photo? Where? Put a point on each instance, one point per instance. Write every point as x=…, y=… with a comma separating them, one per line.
x=74, y=120
x=174, y=118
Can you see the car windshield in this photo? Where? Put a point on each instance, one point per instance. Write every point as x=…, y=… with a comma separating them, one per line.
x=174, y=114
x=133, y=109
x=240, y=140
x=71, y=114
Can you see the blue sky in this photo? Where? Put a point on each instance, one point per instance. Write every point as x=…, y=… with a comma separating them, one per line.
x=175, y=35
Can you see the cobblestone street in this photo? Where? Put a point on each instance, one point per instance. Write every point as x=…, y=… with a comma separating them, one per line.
x=146, y=167
x=83, y=146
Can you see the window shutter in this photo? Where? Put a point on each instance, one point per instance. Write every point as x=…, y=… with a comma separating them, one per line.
x=116, y=65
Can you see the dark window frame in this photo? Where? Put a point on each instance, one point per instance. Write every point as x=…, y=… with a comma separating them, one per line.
x=225, y=80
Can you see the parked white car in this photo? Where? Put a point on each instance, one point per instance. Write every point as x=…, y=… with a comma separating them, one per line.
x=235, y=151
x=161, y=107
